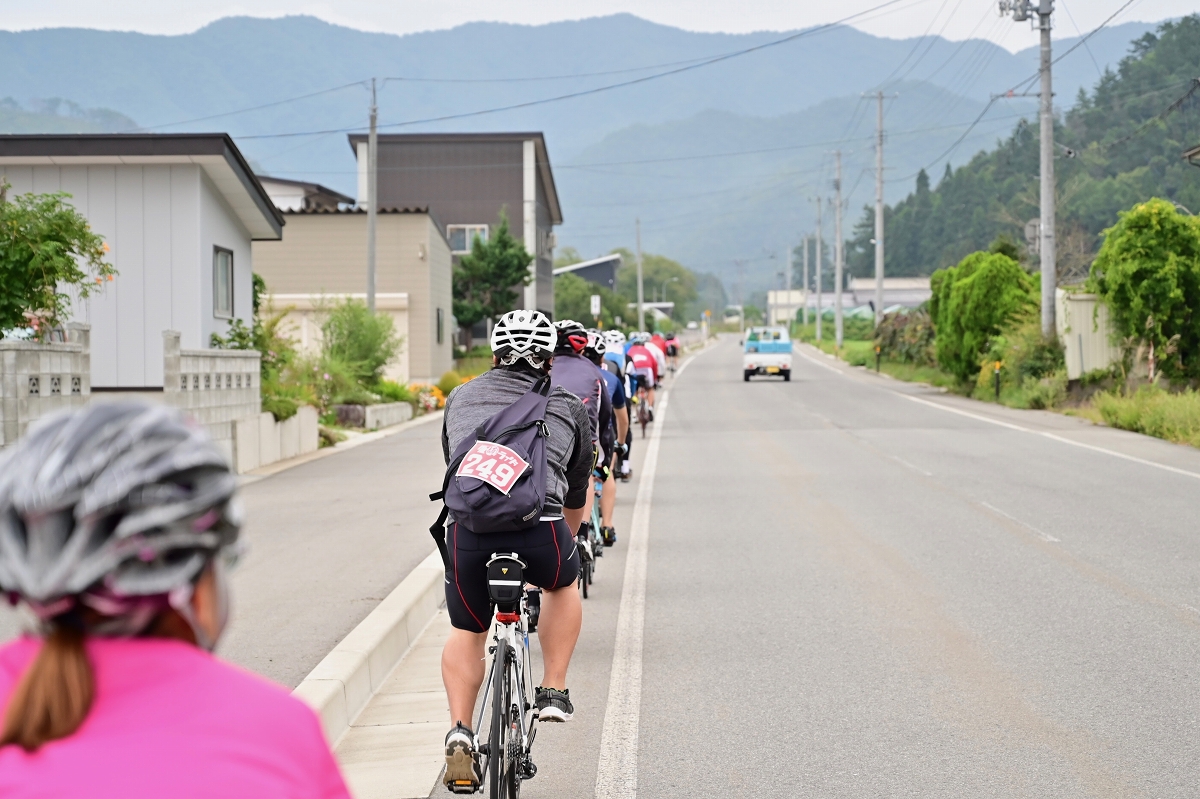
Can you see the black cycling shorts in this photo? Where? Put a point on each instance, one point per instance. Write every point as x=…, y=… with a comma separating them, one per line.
x=548, y=551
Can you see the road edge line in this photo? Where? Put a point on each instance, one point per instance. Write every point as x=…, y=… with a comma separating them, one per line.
x=346, y=679
x=1051, y=436
x=616, y=771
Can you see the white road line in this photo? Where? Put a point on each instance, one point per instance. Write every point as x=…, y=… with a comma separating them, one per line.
x=616, y=773
x=1051, y=436
x=1044, y=536
x=903, y=462
x=679, y=371
x=811, y=359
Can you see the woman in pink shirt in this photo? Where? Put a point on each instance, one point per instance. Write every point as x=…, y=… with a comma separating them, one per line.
x=117, y=523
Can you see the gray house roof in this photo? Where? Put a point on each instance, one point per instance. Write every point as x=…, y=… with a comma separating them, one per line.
x=215, y=153
x=543, y=156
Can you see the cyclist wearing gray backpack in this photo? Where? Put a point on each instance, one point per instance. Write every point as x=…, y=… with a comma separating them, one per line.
x=518, y=386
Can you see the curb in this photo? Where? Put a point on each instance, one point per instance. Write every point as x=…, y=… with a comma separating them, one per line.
x=364, y=438
x=343, y=683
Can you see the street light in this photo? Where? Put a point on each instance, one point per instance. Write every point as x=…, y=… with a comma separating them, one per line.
x=663, y=287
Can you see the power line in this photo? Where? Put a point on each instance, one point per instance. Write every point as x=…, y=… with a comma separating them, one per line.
x=597, y=90
x=251, y=108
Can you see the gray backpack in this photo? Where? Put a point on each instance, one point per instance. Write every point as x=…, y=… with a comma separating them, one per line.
x=496, y=480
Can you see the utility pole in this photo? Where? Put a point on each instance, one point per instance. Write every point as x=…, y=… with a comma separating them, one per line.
x=641, y=293
x=879, y=210
x=741, y=299
x=819, y=263
x=1024, y=10
x=839, y=255
x=372, y=199
x=805, y=269
x=787, y=290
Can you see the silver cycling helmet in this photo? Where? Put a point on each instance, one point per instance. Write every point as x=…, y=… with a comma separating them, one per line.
x=595, y=343
x=524, y=334
x=117, y=507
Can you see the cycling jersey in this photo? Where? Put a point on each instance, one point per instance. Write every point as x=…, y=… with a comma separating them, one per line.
x=660, y=359
x=616, y=389
x=643, y=359
x=581, y=377
x=615, y=362
x=169, y=719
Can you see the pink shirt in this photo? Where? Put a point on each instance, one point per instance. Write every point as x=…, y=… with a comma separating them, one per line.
x=170, y=720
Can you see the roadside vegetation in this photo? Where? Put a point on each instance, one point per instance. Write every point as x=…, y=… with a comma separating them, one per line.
x=980, y=333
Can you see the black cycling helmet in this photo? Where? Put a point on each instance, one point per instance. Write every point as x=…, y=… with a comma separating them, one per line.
x=572, y=337
x=116, y=507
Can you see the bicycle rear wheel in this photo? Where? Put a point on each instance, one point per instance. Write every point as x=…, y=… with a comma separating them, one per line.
x=498, y=739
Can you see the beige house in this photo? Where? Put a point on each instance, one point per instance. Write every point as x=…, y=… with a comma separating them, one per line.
x=323, y=258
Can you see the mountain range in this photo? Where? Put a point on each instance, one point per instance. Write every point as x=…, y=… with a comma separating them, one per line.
x=792, y=103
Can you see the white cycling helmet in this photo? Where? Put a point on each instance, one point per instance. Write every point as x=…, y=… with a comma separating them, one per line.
x=524, y=334
x=615, y=339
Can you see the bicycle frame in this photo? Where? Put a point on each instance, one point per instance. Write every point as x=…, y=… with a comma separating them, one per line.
x=516, y=635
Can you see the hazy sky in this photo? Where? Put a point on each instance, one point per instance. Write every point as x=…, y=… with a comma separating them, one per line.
x=954, y=19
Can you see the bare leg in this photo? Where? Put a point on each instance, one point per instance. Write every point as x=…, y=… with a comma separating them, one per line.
x=558, y=630
x=587, y=508
x=608, y=500
x=462, y=672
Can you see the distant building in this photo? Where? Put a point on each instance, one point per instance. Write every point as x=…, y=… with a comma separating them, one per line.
x=179, y=213
x=322, y=259
x=601, y=271
x=298, y=195
x=466, y=180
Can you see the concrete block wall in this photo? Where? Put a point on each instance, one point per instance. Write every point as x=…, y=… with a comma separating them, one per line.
x=38, y=379
x=216, y=387
x=387, y=414
x=259, y=440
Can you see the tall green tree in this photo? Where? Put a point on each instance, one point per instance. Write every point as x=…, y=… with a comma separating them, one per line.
x=970, y=305
x=46, y=246
x=661, y=278
x=486, y=280
x=1148, y=273
x=573, y=300
x=1119, y=145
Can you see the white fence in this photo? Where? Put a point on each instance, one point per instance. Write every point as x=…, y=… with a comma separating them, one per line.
x=260, y=441
x=1086, y=333
x=39, y=379
x=215, y=387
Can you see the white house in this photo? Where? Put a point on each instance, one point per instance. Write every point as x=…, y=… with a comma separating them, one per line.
x=179, y=212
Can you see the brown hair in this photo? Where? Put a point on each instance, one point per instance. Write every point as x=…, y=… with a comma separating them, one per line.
x=55, y=693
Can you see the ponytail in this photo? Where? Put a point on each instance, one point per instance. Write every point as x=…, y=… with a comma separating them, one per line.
x=55, y=693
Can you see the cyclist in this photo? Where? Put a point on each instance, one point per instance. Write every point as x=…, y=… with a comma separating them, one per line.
x=645, y=367
x=574, y=372
x=117, y=525
x=522, y=345
x=672, y=352
x=617, y=362
x=658, y=347
x=618, y=430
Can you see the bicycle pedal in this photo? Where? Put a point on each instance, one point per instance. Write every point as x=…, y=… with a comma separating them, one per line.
x=529, y=771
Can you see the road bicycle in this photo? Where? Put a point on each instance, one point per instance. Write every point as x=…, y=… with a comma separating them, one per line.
x=508, y=692
x=643, y=408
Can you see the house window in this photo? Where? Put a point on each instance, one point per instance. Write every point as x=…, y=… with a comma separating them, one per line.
x=222, y=283
x=461, y=237
x=441, y=324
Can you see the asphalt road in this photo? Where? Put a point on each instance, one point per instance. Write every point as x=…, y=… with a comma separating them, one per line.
x=327, y=541
x=850, y=593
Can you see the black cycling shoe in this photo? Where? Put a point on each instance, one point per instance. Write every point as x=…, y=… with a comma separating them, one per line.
x=553, y=704
x=463, y=771
x=609, y=534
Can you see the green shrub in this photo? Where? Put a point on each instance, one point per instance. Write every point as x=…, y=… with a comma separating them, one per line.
x=970, y=305
x=46, y=246
x=364, y=342
x=907, y=336
x=390, y=391
x=1033, y=371
x=450, y=381
x=280, y=407
x=1148, y=273
x=1154, y=411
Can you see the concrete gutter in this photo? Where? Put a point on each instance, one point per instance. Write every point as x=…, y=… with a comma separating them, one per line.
x=343, y=683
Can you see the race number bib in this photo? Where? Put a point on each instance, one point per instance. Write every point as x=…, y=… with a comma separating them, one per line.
x=494, y=464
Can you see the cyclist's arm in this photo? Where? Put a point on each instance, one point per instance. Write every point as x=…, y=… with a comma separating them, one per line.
x=622, y=422
x=579, y=466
